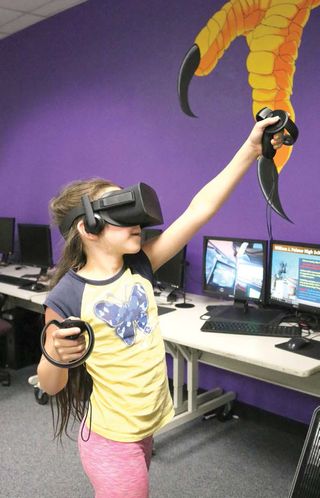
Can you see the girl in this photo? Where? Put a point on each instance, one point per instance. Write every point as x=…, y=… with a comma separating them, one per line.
x=105, y=278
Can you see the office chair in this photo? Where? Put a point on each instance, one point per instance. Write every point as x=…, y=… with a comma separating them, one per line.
x=306, y=482
x=5, y=328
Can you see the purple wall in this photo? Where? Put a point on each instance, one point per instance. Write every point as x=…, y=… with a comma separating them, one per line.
x=92, y=92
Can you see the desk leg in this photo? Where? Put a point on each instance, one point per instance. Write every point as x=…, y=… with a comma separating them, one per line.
x=196, y=404
x=178, y=376
x=192, y=357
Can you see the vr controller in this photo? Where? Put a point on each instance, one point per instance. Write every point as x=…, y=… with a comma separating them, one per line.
x=67, y=324
x=267, y=171
x=284, y=123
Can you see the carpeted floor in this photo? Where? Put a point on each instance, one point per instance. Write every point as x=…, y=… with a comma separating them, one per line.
x=241, y=458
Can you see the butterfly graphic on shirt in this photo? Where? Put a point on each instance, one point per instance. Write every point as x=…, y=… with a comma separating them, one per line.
x=126, y=317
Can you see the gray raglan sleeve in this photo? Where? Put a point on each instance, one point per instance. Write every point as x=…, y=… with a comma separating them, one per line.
x=65, y=298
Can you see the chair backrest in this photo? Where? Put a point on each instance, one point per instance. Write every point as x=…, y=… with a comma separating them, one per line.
x=306, y=482
x=4, y=326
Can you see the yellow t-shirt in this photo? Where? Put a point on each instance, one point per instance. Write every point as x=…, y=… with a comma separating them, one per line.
x=130, y=397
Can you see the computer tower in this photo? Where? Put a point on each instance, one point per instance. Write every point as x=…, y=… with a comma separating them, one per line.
x=23, y=340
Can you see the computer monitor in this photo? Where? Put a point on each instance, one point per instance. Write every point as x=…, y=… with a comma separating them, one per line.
x=149, y=233
x=6, y=239
x=234, y=268
x=171, y=274
x=35, y=245
x=294, y=280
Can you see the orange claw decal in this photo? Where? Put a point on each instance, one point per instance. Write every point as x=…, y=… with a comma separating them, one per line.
x=273, y=30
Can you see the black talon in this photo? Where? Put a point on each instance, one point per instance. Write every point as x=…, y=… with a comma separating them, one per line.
x=268, y=179
x=187, y=69
x=267, y=171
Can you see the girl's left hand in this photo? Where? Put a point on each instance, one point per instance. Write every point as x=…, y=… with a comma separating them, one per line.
x=255, y=137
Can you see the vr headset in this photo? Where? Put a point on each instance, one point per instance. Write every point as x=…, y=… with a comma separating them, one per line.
x=136, y=205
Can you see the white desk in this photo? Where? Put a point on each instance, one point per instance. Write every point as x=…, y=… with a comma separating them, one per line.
x=20, y=297
x=253, y=356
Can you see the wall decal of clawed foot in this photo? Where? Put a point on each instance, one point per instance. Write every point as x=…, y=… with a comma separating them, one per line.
x=273, y=31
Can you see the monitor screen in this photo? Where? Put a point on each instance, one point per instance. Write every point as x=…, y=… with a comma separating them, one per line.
x=294, y=275
x=35, y=245
x=6, y=237
x=149, y=233
x=172, y=272
x=234, y=268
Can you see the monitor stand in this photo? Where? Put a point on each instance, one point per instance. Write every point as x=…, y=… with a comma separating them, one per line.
x=4, y=260
x=42, y=274
x=184, y=304
x=241, y=311
x=36, y=286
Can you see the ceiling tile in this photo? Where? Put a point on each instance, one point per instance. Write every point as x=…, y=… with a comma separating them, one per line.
x=20, y=23
x=16, y=15
x=56, y=6
x=8, y=15
x=23, y=5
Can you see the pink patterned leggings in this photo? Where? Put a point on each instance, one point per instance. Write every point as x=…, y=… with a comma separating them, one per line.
x=115, y=469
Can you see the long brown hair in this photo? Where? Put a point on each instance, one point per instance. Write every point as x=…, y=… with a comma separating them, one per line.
x=72, y=401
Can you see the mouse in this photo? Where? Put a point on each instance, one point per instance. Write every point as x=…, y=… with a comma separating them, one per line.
x=37, y=287
x=297, y=343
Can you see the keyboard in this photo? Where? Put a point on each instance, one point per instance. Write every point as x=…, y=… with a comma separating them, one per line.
x=9, y=279
x=251, y=328
x=23, y=283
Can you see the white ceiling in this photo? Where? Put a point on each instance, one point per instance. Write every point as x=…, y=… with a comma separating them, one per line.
x=16, y=15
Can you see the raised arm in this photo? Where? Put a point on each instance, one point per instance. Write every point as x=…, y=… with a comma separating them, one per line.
x=209, y=199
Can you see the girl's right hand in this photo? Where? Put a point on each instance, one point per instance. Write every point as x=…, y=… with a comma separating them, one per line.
x=64, y=349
